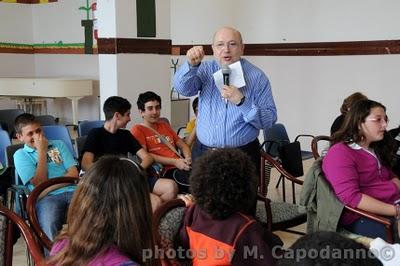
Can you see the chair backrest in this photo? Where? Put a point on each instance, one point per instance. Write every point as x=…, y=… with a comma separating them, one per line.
x=4, y=142
x=7, y=117
x=85, y=126
x=268, y=162
x=10, y=150
x=33, y=246
x=46, y=120
x=275, y=134
x=59, y=132
x=49, y=186
x=315, y=142
x=166, y=222
x=80, y=144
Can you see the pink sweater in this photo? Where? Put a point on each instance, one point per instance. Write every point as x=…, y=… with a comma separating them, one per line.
x=109, y=257
x=353, y=171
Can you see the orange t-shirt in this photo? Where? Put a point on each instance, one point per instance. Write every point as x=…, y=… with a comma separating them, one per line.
x=152, y=143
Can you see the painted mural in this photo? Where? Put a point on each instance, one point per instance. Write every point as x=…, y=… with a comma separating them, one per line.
x=89, y=27
x=28, y=1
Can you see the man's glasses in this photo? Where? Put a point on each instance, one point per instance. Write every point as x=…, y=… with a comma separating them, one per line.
x=230, y=45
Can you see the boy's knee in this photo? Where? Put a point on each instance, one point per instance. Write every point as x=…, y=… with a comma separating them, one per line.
x=155, y=201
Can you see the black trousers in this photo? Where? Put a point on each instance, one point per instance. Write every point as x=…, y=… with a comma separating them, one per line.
x=252, y=149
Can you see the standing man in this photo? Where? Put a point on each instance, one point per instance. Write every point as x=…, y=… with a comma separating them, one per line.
x=228, y=116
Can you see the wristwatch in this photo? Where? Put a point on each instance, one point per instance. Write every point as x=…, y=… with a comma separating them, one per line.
x=241, y=101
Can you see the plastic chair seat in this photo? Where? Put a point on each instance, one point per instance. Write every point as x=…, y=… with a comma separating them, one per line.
x=305, y=155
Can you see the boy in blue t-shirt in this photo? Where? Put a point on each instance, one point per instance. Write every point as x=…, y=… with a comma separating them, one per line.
x=38, y=161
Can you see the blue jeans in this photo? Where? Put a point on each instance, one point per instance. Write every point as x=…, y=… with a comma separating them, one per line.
x=52, y=211
x=367, y=227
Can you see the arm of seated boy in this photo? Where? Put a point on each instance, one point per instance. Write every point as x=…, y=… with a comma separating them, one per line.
x=146, y=158
x=87, y=160
x=41, y=145
x=187, y=198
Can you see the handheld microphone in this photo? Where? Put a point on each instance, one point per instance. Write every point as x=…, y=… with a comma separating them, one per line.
x=225, y=75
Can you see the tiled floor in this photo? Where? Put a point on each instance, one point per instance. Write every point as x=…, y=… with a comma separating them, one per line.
x=273, y=194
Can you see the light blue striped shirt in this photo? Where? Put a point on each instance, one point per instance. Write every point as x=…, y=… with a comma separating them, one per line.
x=220, y=125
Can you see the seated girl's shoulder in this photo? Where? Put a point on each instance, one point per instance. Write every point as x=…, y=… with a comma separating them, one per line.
x=339, y=147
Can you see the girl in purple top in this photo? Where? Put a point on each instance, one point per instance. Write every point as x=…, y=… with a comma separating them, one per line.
x=358, y=166
x=109, y=218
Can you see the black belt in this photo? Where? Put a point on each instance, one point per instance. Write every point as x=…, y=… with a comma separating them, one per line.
x=239, y=147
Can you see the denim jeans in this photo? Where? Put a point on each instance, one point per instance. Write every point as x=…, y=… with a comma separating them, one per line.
x=368, y=227
x=52, y=211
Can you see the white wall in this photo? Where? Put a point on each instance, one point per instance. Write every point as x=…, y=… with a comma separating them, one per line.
x=57, y=21
x=308, y=90
x=276, y=21
x=138, y=73
x=194, y=22
x=16, y=23
x=70, y=66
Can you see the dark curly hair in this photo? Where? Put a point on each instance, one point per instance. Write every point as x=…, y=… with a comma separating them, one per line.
x=327, y=248
x=224, y=182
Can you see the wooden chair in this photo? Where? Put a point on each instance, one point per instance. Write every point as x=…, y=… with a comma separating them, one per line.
x=168, y=218
x=11, y=220
x=284, y=215
x=317, y=172
x=33, y=197
x=166, y=222
x=315, y=142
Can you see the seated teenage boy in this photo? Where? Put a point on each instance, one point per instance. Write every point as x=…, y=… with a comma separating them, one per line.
x=148, y=134
x=216, y=227
x=38, y=161
x=112, y=138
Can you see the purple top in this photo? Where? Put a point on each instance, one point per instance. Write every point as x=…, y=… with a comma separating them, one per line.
x=353, y=171
x=111, y=256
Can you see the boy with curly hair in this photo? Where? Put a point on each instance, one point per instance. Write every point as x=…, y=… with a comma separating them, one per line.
x=216, y=228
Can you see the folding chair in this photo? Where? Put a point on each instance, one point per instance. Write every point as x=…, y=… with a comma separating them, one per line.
x=274, y=139
x=60, y=132
x=7, y=117
x=85, y=126
x=46, y=120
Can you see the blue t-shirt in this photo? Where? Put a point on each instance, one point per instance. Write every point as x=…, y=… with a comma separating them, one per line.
x=59, y=160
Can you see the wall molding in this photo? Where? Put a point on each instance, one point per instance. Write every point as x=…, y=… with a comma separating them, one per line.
x=310, y=49
x=29, y=1
x=164, y=46
x=133, y=46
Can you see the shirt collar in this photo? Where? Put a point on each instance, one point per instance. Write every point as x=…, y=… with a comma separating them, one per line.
x=28, y=148
x=355, y=146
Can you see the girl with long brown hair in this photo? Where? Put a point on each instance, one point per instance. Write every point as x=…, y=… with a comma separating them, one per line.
x=109, y=218
x=358, y=166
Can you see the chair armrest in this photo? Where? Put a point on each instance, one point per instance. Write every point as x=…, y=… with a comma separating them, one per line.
x=369, y=215
x=279, y=167
x=267, y=204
